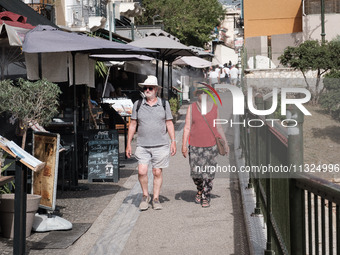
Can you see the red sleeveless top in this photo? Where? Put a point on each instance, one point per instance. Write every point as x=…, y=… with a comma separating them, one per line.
x=200, y=133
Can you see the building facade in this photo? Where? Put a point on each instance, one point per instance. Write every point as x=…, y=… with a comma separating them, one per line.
x=272, y=17
x=311, y=13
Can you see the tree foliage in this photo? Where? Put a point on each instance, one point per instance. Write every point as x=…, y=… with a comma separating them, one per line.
x=330, y=100
x=101, y=69
x=31, y=102
x=191, y=21
x=313, y=55
x=309, y=55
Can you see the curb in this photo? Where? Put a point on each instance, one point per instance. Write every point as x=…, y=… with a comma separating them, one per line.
x=255, y=225
x=87, y=241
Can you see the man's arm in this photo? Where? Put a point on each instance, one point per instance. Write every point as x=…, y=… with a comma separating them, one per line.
x=171, y=130
x=131, y=132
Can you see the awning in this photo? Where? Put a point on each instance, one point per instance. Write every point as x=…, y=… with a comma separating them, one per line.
x=16, y=35
x=15, y=26
x=19, y=7
x=193, y=61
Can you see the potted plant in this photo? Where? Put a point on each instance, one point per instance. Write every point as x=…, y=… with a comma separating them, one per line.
x=32, y=103
x=7, y=213
x=174, y=106
x=7, y=204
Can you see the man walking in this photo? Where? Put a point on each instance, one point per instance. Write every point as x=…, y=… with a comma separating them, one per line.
x=154, y=122
x=214, y=77
x=233, y=75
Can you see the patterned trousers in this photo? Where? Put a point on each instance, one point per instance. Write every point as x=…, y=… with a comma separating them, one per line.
x=204, y=185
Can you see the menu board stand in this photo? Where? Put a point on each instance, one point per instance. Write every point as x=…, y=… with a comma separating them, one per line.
x=23, y=160
x=103, y=158
x=46, y=148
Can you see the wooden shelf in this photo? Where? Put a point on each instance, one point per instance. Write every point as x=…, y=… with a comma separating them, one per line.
x=5, y=179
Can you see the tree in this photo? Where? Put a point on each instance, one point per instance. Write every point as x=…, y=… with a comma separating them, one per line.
x=191, y=21
x=310, y=55
x=31, y=102
x=330, y=100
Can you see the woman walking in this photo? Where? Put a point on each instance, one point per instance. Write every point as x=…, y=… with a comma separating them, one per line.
x=200, y=132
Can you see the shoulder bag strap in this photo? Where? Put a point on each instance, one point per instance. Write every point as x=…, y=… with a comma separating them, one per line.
x=164, y=103
x=205, y=120
x=138, y=105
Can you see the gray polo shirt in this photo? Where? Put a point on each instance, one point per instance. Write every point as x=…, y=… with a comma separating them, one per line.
x=151, y=123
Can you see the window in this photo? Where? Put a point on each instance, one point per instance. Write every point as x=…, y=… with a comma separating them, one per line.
x=314, y=6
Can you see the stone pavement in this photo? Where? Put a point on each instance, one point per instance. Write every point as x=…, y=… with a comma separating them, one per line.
x=182, y=227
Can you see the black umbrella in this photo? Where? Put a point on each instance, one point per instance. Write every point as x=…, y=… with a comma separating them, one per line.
x=46, y=39
x=168, y=49
x=49, y=39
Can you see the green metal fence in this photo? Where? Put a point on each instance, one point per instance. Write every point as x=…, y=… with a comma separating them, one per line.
x=301, y=211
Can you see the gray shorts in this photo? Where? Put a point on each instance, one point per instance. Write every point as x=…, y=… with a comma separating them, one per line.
x=158, y=156
x=234, y=81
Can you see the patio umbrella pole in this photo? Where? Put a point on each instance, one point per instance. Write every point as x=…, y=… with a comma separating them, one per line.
x=107, y=77
x=171, y=74
x=39, y=66
x=75, y=156
x=157, y=67
x=169, y=88
x=163, y=78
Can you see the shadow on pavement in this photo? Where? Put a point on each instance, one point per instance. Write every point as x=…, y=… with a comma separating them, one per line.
x=189, y=195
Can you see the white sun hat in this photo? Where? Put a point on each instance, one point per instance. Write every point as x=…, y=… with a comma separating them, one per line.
x=150, y=81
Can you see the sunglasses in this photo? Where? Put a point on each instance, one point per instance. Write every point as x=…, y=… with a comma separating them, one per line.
x=148, y=88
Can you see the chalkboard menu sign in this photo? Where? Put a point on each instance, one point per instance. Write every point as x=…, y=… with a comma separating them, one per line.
x=103, y=158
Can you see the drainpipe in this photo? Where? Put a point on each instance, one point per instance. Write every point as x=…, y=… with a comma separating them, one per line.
x=81, y=9
x=114, y=17
x=132, y=31
x=110, y=14
x=303, y=8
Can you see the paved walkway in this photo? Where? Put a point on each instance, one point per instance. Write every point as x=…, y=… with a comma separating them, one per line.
x=182, y=227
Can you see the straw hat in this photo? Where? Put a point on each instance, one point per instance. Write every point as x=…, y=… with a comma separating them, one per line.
x=150, y=81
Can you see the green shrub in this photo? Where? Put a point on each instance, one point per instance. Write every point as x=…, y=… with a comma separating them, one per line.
x=330, y=99
x=174, y=104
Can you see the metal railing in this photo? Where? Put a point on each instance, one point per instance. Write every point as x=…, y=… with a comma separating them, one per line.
x=301, y=211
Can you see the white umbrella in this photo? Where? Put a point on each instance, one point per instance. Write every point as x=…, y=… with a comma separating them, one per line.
x=193, y=61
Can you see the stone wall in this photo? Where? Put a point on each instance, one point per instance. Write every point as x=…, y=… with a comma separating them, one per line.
x=279, y=77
